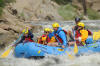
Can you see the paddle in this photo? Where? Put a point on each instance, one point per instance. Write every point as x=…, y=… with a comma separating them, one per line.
x=70, y=56
x=96, y=35
x=75, y=49
x=75, y=46
x=6, y=53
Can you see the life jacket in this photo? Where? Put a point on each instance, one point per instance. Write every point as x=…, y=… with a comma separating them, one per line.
x=58, y=38
x=28, y=39
x=77, y=35
x=47, y=39
x=52, y=40
x=83, y=34
x=76, y=27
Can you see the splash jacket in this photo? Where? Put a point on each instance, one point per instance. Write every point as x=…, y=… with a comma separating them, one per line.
x=60, y=36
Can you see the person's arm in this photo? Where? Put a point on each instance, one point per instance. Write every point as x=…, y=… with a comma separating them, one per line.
x=89, y=32
x=20, y=40
x=62, y=35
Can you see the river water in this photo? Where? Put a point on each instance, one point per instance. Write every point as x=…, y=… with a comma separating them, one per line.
x=84, y=60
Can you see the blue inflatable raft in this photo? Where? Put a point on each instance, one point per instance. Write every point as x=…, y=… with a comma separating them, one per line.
x=31, y=49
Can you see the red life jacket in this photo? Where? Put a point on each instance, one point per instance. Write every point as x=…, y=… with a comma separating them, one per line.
x=47, y=39
x=77, y=35
x=58, y=38
x=28, y=39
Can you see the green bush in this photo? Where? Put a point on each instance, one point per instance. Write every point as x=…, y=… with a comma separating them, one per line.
x=68, y=12
x=92, y=14
x=62, y=2
x=2, y=3
x=9, y=1
x=1, y=11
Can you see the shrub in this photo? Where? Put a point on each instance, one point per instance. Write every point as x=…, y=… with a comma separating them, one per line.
x=92, y=14
x=1, y=11
x=62, y=2
x=68, y=12
x=2, y=3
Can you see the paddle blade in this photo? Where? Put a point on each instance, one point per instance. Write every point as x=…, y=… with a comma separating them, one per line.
x=75, y=49
x=96, y=35
x=6, y=53
x=70, y=56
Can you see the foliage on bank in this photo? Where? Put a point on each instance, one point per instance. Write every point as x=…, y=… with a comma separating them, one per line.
x=69, y=11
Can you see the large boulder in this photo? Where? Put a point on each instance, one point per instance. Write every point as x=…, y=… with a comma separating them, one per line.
x=37, y=9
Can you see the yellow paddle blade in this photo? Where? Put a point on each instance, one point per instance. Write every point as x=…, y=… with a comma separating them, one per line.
x=70, y=56
x=75, y=49
x=6, y=53
x=96, y=35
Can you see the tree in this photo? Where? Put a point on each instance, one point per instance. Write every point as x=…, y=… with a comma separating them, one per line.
x=84, y=7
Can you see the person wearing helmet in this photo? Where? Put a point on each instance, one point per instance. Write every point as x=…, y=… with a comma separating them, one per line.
x=60, y=35
x=50, y=33
x=74, y=28
x=27, y=36
x=44, y=39
x=52, y=38
x=78, y=20
x=81, y=34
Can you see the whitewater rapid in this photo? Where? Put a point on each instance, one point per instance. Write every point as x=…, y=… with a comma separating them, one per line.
x=91, y=60
x=84, y=60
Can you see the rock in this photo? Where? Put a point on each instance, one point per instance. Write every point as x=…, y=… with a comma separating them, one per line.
x=37, y=9
x=96, y=6
x=36, y=28
x=5, y=38
x=4, y=26
x=49, y=18
x=2, y=31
